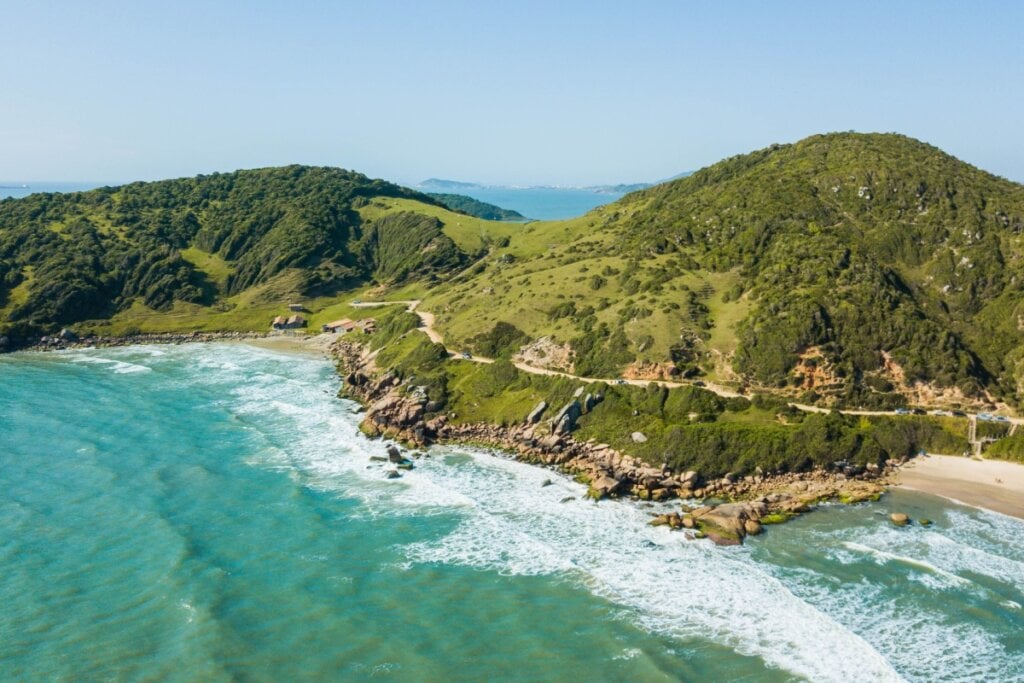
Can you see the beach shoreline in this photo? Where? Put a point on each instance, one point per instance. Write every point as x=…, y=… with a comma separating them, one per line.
x=993, y=485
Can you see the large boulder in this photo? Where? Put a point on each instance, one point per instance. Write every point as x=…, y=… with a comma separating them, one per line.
x=565, y=420
x=604, y=486
x=535, y=414
x=899, y=519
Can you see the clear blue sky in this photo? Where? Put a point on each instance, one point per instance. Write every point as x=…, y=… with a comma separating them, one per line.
x=519, y=92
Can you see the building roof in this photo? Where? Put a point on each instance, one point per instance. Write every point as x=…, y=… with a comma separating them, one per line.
x=279, y=320
x=292, y=320
x=344, y=323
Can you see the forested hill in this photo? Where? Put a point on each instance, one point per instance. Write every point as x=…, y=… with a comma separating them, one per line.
x=864, y=269
x=71, y=257
x=846, y=265
x=475, y=207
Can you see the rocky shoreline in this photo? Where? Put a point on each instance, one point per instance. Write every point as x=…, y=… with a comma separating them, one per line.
x=68, y=340
x=732, y=507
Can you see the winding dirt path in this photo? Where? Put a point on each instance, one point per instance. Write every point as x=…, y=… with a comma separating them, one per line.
x=427, y=321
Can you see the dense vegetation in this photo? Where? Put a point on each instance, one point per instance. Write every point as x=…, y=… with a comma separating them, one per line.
x=854, y=244
x=845, y=267
x=71, y=257
x=685, y=428
x=475, y=207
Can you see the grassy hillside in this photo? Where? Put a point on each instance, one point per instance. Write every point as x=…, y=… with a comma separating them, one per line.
x=843, y=266
x=854, y=269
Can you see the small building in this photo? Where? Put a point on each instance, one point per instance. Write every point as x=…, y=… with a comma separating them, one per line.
x=343, y=325
x=296, y=307
x=279, y=322
x=295, y=321
x=368, y=326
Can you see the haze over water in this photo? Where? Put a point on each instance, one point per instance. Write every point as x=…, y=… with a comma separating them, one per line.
x=210, y=513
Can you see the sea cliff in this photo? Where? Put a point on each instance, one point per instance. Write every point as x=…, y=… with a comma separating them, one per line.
x=729, y=507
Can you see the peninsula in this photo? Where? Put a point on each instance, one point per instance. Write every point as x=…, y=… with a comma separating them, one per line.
x=791, y=322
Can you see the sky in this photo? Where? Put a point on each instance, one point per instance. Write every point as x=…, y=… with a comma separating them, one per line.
x=567, y=92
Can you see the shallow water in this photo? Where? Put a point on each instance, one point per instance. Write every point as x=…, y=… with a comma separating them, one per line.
x=210, y=512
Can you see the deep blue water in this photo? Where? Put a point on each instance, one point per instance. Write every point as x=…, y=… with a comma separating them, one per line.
x=210, y=512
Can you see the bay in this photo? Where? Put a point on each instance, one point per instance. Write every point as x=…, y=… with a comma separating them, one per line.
x=211, y=512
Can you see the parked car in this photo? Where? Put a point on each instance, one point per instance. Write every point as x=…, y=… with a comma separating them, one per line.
x=620, y=381
x=467, y=355
x=917, y=411
x=958, y=413
x=1002, y=418
x=902, y=411
x=698, y=383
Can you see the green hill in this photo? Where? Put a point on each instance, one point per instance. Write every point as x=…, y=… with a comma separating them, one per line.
x=211, y=245
x=845, y=265
x=863, y=269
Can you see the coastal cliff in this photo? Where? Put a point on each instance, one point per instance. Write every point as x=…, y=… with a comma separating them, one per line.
x=732, y=506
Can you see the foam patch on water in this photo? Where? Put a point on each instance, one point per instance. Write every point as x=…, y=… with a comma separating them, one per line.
x=883, y=557
x=926, y=639
x=117, y=366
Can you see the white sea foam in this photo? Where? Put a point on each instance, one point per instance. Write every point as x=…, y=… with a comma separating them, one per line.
x=119, y=367
x=510, y=523
x=882, y=557
x=505, y=520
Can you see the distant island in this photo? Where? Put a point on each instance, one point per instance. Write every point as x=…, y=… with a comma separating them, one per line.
x=443, y=185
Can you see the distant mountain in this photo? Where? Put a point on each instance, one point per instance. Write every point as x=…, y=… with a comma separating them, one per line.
x=475, y=207
x=441, y=185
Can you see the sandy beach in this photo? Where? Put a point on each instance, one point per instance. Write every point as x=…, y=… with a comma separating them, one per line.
x=305, y=344
x=991, y=484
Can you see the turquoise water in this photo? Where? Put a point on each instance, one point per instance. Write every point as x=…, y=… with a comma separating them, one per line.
x=542, y=203
x=210, y=513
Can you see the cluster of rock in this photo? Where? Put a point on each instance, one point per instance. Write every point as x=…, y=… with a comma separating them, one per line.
x=66, y=339
x=395, y=458
x=405, y=413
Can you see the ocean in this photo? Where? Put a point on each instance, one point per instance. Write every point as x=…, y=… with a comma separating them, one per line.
x=210, y=512
x=542, y=203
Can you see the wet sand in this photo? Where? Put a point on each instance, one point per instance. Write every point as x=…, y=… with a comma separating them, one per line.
x=990, y=484
x=316, y=344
